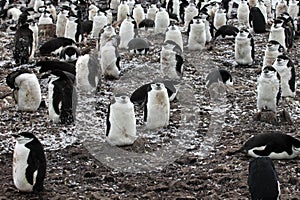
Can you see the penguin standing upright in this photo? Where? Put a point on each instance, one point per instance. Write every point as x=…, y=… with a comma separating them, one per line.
x=220, y=18
x=123, y=11
x=61, y=23
x=263, y=179
x=27, y=91
x=286, y=70
x=71, y=27
x=277, y=33
x=244, y=48
x=280, y=8
x=23, y=44
x=268, y=90
x=268, y=4
x=110, y=59
x=174, y=34
x=157, y=107
x=29, y=163
x=197, y=36
x=121, y=121
x=162, y=21
x=275, y=145
x=173, y=9
x=171, y=62
x=273, y=49
x=243, y=14
x=35, y=31
x=126, y=32
x=190, y=12
x=62, y=97
x=88, y=73
x=208, y=27
x=262, y=7
x=151, y=12
x=107, y=34
x=293, y=9
x=138, y=14
x=99, y=21
x=257, y=20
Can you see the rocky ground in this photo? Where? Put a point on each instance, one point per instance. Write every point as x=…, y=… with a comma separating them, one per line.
x=187, y=160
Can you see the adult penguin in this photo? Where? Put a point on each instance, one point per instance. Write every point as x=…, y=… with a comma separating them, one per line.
x=26, y=89
x=29, y=163
x=257, y=20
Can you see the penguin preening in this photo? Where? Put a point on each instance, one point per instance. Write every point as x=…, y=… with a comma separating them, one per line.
x=55, y=45
x=29, y=163
x=26, y=89
x=62, y=97
x=268, y=89
x=121, y=121
x=139, y=95
x=226, y=30
x=52, y=65
x=274, y=145
x=285, y=68
x=157, y=107
x=244, y=48
x=263, y=179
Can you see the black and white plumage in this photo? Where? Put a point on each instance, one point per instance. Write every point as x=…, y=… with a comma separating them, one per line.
x=151, y=12
x=197, y=35
x=110, y=60
x=263, y=9
x=189, y=13
x=107, y=35
x=139, y=95
x=35, y=33
x=219, y=76
x=157, y=107
x=263, y=179
x=174, y=34
x=61, y=23
x=285, y=68
x=146, y=24
x=173, y=8
x=52, y=65
x=55, y=45
x=280, y=8
x=268, y=4
x=243, y=12
x=123, y=11
x=121, y=121
x=277, y=33
x=29, y=163
x=244, y=48
x=171, y=63
x=274, y=145
x=162, y=21
x=99, y=21
x=293, y=9
x=26, y=89
x=61, y=97
x=220, y=18
x=45, y=18
x=71, y=27
x=69, y=54
x=226, y=30
x=88, y=73
x=126, y=32
x=257, y=20
x=268, y=89
x=138, y=46
x=252, y=3
x=23, y=44
x=289, y=28
x=273, y=49
x=93, y=10
x=138, y=14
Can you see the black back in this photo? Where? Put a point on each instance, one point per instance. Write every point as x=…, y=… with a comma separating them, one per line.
x=257, y=20
x=55, y=44
x=218, y=75
x=22, y=44
x=263, y=179
x=10, y=79
x=53, y=65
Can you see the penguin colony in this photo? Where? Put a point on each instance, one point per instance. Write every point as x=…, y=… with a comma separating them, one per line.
x=77, y=71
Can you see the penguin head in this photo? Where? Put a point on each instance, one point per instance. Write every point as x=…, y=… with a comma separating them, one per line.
x=24, y=137
x=269, y=72
x=69, y=53
x=157, y=86
x=122, y=98
x=274, y=46
x=296, y=150
x=282, y=60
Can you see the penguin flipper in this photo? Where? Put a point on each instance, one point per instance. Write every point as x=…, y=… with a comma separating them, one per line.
x=107, y=121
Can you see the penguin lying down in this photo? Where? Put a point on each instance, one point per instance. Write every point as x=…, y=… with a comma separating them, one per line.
x=274, y=145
